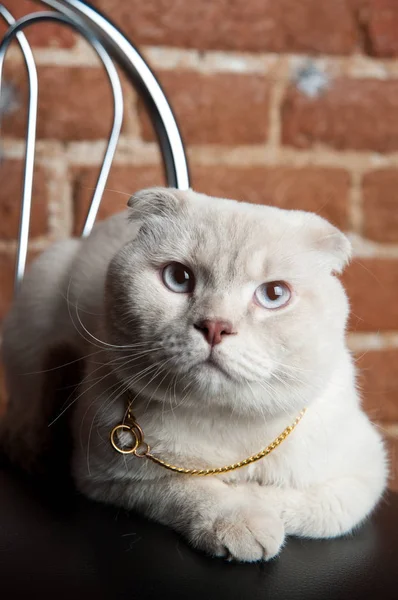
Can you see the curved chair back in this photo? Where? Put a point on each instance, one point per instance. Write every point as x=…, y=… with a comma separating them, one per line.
x=112, y=47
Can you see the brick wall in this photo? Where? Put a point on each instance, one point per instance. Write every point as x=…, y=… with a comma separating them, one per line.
x=287, y=103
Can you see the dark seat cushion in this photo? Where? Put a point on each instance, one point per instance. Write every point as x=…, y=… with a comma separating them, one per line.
x=56, y=544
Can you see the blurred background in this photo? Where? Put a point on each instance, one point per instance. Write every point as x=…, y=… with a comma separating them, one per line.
x=292, y=103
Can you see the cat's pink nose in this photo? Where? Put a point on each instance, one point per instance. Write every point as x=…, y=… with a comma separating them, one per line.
x=214, y=330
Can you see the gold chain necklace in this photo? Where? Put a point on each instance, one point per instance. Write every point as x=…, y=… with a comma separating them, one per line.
x=140, y=448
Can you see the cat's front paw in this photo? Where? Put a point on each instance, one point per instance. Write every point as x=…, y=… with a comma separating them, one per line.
x=242, y=535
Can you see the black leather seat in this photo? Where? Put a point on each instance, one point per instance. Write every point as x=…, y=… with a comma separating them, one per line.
x=56, y=544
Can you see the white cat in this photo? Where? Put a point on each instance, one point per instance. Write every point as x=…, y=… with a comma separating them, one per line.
x=219, y=321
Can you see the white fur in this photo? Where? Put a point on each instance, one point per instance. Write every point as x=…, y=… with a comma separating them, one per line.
x=104, y=298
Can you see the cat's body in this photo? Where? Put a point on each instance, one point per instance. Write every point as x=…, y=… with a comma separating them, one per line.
x=104, y=297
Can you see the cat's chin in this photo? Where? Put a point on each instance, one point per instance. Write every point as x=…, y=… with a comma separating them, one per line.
x=212, y=368
x=212, y=379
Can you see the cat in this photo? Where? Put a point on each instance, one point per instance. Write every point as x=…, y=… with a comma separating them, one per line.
x=219, y=322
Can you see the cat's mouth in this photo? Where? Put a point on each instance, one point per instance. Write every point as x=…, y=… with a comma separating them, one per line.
x=213, y=364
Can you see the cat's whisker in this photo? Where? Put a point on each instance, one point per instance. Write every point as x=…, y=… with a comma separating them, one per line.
x=173, y=383
x=132, y=346
x=134, y=379
x=71, y=362
x=255, y=398
x=172, y=387
x=121, y=362
x=92, y=336
x=292, y=367
x=75, y=386
x=360, y=357
x=84, y=390
x=172, y=408
x=159, y=370
x=159, y=384
x=109, y=190
x=68, y=304
x=293, y=377
x=288, y=376
x=271, y=390
x=110, y=363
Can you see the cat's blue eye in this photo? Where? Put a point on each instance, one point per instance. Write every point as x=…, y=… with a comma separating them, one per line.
x=178, y=278
x=273, y=294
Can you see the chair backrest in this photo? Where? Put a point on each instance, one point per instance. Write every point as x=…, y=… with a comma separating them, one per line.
x=112, y=47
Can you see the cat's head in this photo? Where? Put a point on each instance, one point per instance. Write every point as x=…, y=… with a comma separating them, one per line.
x=227, y=303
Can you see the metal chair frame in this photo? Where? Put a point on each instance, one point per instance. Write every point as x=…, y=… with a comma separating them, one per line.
x=112, y=47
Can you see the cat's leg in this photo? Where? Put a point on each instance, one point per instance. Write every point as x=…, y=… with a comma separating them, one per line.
x=217, y=518
x=326, y=510
x=333, y=496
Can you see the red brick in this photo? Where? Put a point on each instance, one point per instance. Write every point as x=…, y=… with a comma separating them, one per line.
x=7, y=264
x=381, y=26
x=372, y=286
x=320, y=190
x=10, y=200
x=74, y=103
x=309, y=26
x=360, y=9
x=122, y=183
x=350, y=114
x=380, y=205
x=42, y=34
x=220, y=108
x=392, y=448
x=378, y=381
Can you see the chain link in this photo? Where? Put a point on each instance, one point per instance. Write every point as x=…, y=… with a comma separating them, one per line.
x=140, y=448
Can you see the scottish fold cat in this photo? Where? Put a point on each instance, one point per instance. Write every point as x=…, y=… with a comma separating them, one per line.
x=217, y=322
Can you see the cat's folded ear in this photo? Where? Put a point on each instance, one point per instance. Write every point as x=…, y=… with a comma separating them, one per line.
x=154, y=201
x=334, y=246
